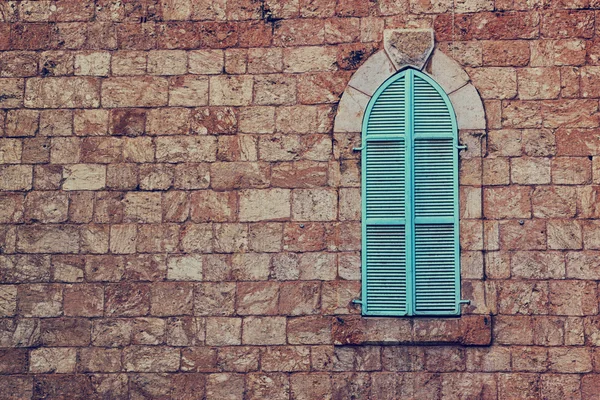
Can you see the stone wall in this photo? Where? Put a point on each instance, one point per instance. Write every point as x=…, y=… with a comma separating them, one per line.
x=180, y=219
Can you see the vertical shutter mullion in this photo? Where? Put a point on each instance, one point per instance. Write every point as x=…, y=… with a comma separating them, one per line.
x=409, y=203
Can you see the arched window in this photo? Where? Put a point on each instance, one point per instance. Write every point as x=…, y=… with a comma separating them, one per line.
x=410, y=226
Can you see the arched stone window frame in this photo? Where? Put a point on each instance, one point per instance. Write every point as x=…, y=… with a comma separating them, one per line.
x=409, y=48
x=416, y=48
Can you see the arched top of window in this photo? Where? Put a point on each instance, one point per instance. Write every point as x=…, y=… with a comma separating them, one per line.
x=410, y=99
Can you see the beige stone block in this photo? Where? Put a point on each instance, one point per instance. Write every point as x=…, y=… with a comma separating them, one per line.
x=309, y=59
x=447, y=72
x=264, y=330
x=468, y=108
x=16, y=177
x=84, y=177
x=12, y=93
x=538, y=83
x=147, y=91
x=469, y=6
x=265, y=60
x=90, y=122
x=236, y=61
x=569, y=360
x=256, y=120
x=350, y=112
x=123, y=238
x=314, y=205
x=10, y=151
x=470, y=202
x=143, y=207
x=188, y=91
x=65, y=150
x=197, y=238
x=530, y=170
x=496, y=171
x=230, y=90
x=46, y=207
x=58, y=360
x=206, y=62
x=139, y=149
x=92, y=64
x=57, y=122
x=221, y=331
x=151, y=359
x=275, y=89
x=185, y=268
x=225, y=386
x=408, y=46
x=167, y=62
x=564, y=234
x=250, y=266
x=264, y=205
x=231, y=238
x=72, y=92
x=168, y=121
x=350, y=205
x=186, y=149
x=128, y=63
x=176, y=10
x=279, y=148
x=495, y=82
x=372, y=73
x=538, y=265
x=8, y=300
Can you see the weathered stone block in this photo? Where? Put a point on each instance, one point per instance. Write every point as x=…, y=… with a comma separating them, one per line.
x=134, y=92
x=264, y=330
x=261, y=205
x=62, y=93
x=408, y=47
x=53, y=360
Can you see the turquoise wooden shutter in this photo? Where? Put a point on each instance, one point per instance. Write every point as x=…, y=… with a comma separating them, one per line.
x=410, y=200
x=384, y=212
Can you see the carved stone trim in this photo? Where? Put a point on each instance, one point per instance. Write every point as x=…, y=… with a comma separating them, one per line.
x=404, y=48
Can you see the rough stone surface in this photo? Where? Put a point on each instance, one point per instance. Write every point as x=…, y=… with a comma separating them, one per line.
x=468, y=108
x=180, y=202
x=372, y=73
x=447, y=72
x=351, y=111
x=409, y=46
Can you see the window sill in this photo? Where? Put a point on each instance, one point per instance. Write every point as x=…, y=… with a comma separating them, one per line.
x=467, y=330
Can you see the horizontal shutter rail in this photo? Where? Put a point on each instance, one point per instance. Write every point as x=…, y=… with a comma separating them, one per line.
x=434, y=220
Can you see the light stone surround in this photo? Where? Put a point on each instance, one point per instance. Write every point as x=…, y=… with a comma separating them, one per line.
x=403, y=48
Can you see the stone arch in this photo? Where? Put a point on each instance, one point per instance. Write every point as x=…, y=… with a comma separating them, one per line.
x=415, y=48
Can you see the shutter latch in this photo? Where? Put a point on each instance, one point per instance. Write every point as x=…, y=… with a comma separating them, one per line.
x=361, y=148
x=461, y=146
x=357, y=301
x=463, y=301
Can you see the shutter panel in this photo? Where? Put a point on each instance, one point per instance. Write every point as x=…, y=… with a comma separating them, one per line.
x=436, y=251
x=410, y=200
x=384, y=211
